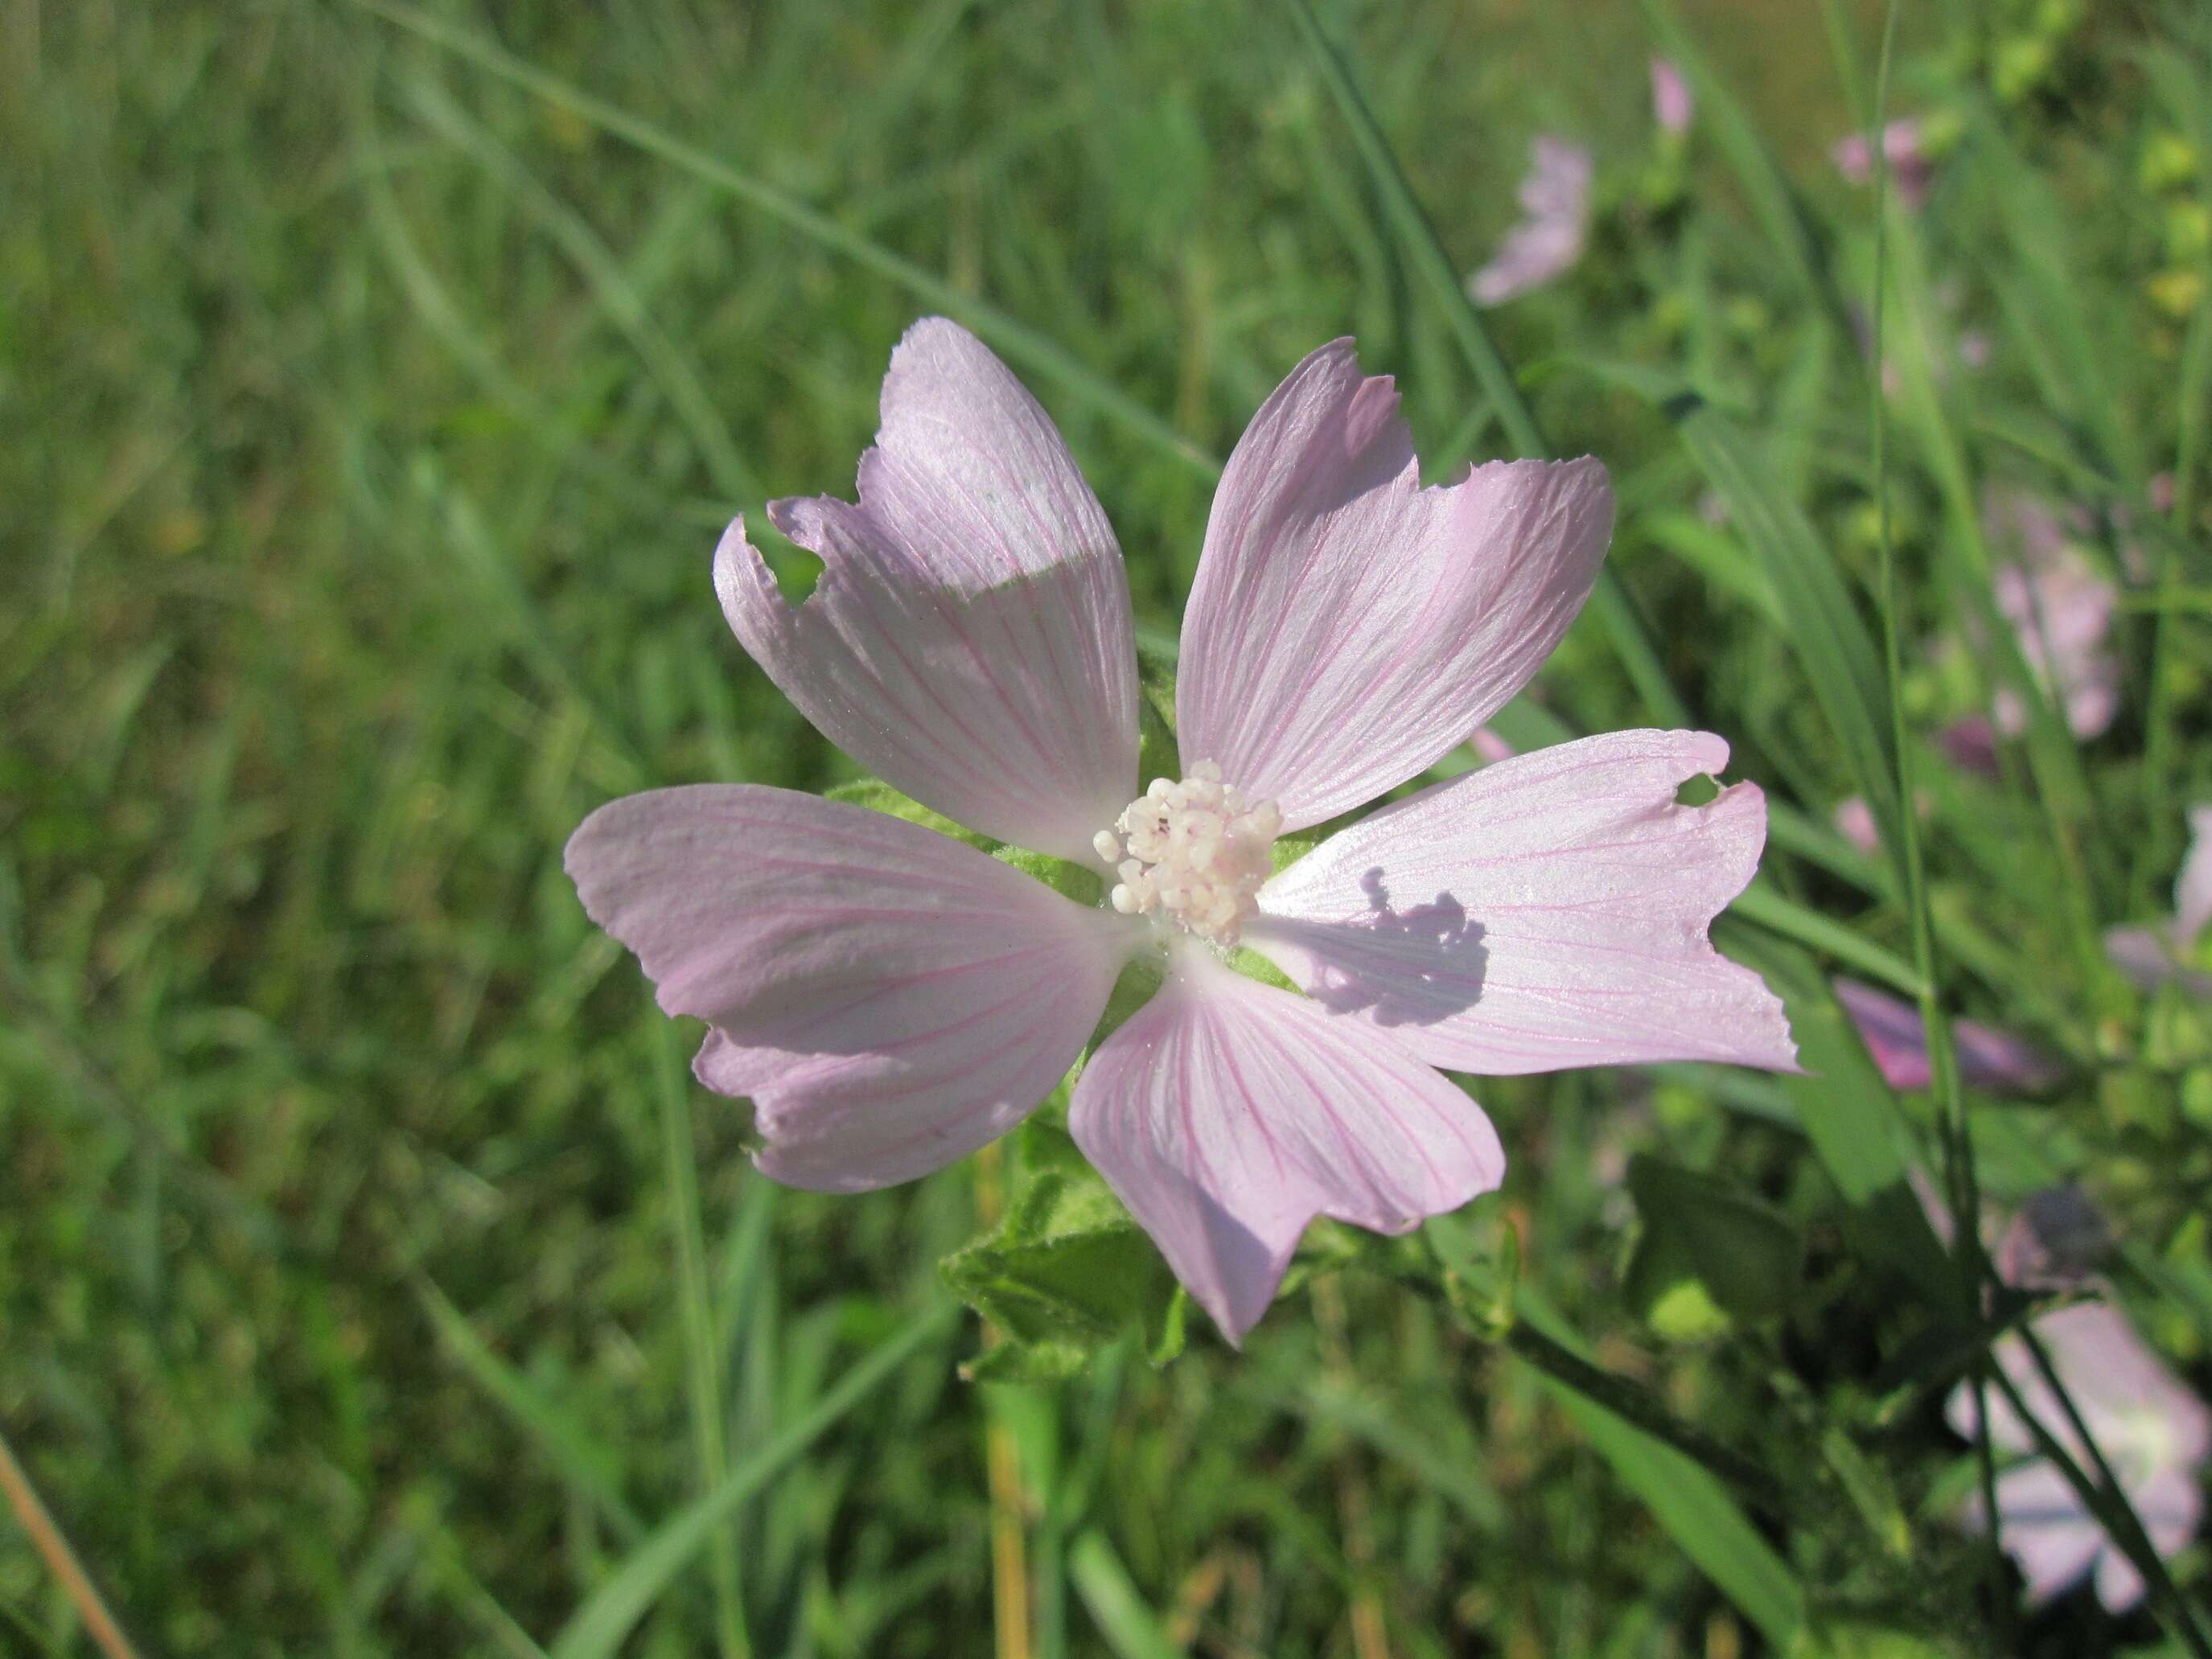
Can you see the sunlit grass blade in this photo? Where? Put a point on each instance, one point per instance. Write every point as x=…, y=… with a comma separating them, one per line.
x=582, y=1462
x=1130, y=1627
x=602, y=1624
x=1024, y=345
x=702, y=1344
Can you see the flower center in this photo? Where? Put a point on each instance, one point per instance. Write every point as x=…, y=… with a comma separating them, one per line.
x=1196, y=852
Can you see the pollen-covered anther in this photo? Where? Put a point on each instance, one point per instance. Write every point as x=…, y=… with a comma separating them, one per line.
x=1195, y=853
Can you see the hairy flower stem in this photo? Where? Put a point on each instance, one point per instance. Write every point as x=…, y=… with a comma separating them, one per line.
x=53, y=1547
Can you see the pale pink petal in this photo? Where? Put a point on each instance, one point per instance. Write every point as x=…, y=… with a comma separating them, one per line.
x=2152, y=955
x=1554, y=225
x=1671, y=103
x=2061, y=610
x=1892, y=1032
x=1229, y=1113
x=969, y=639
x=1854, y=822
x=1911, y=169
x=1547, y=911
x=2119, y=1586
x=2193, y=889
x=1347, y=627
x=890, y=998
x=2042, y=1526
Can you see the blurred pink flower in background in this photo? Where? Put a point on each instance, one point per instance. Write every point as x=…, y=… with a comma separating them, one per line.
x=1902, y=143
x=1672, y=107
x=2060, y=608
x=2151, y=956
x=1554, y=225
x=892, y=998
x=1892, y=1032
x=1854, y=821
x=2151, y=1428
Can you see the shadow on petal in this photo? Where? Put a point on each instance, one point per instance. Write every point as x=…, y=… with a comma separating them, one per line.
x=1410, y=966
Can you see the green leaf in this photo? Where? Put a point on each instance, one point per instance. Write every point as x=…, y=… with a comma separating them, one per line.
x=1848, y=1112
x=1744, y=1252
x=1065, y=1271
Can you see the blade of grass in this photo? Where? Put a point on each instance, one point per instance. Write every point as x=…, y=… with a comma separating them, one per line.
x=1963, y=1194
x=61, y=1558
x=1774, y=204
x=1025, y=345
x=624, y=306
x=581, y=1462
x=1686, y=1499
x=1425, y=251
x=1130, y=1627
x=704, y=1369
x=601, y=1625
x=1826, y=633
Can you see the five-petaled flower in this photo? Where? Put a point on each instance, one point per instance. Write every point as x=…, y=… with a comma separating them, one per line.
x=892, y=998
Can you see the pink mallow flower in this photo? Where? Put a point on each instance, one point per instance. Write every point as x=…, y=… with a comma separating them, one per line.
x=1554, y=224
x=1891, y=1030
x=1904, y=144
x=1672, y=106
x=2151, y=956
x=2152, y=1429
x=891, y=998
x=2060, y=608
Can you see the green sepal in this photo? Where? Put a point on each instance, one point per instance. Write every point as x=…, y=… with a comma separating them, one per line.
x=1069, y=880
x=1144, y=976
x=879, y=797
x=1709, y=1253
x=1065, y=1271
x=1159, y=754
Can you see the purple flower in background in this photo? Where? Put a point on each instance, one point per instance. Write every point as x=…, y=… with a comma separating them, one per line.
x=2151, y=956
x=1903, y=142
x=891, y=998
x=2061, y=609
x=1554, y=224
x=1672, y=107
x=2153, y=1430
x=1892, y=1032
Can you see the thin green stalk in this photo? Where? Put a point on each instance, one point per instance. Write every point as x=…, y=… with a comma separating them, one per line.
x=2108, y=1503
x=702, y=1349
x=1962, y=1193
x=1424, y=249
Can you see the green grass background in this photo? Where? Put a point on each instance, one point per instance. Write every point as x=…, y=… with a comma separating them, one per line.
x=372, y=1279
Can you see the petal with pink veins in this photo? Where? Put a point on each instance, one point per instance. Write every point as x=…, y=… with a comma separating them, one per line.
x=969, y=639
x=1348, y=626
x=1547, y=911
x=890, y=998
x=1229, y=1113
